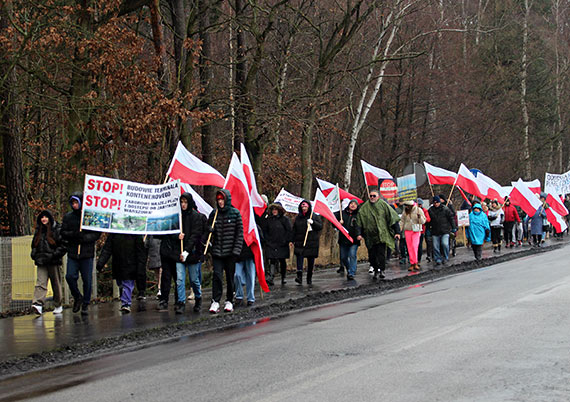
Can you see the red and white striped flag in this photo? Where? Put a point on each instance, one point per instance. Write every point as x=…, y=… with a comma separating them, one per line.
x=372, y=174
x=189, y=169
x=556, y=219
x=257, y=202
x=524, y=198
x=321, y=207
x=494, y=189
x=202, y=206
x=556, y=204
x=468, y=182
x=533, y=185
x=236, y=183
x=327, y=188
x=437, y=175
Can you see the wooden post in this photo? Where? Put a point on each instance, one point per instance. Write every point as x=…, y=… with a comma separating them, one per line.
x=308, y=226
x=210, y=235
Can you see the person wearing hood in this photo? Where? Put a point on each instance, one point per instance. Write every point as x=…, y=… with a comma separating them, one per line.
x=497, y=218
x=80, y=246
x=413, y=219
x=189, y=259
x=380, y=227
x=306, y=226
x=511, y=219
x=442, y=223
x=348, y=249
x=225, y=247
x=478, y=230
x=47, y=251
x=129, y=258
x=277, y=231
x=537, y=221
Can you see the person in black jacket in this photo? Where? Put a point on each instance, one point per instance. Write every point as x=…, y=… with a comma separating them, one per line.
x=310, y=248
x=276, y=228
x=226, y=244
x=129, y=258
x=349, y=248
x=47, y=251
x=442, y=223
x=190, y=257
x=80, y=246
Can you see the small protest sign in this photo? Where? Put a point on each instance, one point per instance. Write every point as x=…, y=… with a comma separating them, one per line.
x=463, y=217
x=407, y=188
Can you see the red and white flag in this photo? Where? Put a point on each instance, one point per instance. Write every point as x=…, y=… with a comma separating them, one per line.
x=556, y=204
x=556, y=219
x=494, y=189
x=524, y=198
x=468, y=182
x=259, y=206
x=327, y=188
x=534, y=185
x=437, y=175
x=236, y=183
x=372, y=174
x=202, y=206
x=189, y=169
x=321, y=207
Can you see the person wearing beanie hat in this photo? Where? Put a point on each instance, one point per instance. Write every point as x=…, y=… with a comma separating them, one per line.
x=80, y=246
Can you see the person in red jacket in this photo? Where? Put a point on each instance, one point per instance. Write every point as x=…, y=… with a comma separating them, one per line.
x=511, y=216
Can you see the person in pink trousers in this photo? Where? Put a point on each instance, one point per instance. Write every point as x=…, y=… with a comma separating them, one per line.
x=412, y=220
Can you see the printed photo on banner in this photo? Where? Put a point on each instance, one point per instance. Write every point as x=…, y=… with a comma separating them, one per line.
x=463, y=217
x=119, y=206
x=407, y=188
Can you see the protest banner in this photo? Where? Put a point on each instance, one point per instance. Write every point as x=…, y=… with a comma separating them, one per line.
x=119, y=206
x=557, y=184
x=288, y=201
x=407, y=188
x=389, y=190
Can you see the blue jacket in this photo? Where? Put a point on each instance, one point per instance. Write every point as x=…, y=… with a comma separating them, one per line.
x=478, y=230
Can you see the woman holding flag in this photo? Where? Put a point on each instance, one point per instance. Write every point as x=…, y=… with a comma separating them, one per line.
x=306, y=233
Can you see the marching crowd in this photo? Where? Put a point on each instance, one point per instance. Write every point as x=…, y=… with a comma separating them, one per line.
x=388, y=231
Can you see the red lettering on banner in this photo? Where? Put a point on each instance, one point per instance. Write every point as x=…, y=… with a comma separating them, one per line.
x=90, y=184
x=88, y=201
x=102, y=202
x=115, y=186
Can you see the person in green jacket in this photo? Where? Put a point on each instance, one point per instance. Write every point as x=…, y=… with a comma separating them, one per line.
x=380, y=225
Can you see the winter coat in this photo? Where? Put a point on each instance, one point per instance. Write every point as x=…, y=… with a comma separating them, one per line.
x=227, y=235
x=511, y=214
x=478, y=230
x=442, y=220
x=152, y=244
x=73, y=237
x=349, y=222
x=129, y=255
x=277, y=232
x=415, y=217
x=170, y=247
x=193, y=229
x=311, y=248
x=45, y=253
x=496, y=217
x=246, y=251
x=379, y=222
x=536, y=221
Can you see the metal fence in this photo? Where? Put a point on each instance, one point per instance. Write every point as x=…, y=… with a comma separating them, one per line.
x=18, y=275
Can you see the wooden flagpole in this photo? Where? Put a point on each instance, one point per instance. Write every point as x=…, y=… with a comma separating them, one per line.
x=339, y=204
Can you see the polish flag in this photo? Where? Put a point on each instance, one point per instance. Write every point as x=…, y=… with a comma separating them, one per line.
x=321, y=207
x=438, y=175
x=189, y=169
x=556, y=204
x=327, y=188
x=555, y=219
x=203, y=206
x=534, y=185
x=494, y=189
x=468, y=182
x=372, y=174
x=524, y=198
x=259, y=206
x=236, y=183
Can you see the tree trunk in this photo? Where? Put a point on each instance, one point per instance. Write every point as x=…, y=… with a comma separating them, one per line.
x=524, y=107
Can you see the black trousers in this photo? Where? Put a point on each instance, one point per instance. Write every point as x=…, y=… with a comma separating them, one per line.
x=509, y=232
x=496, y=235
x=273, y=262
x=477, y=251
x=377, y=256
x=168, y=275
x=421, y=248
x=141, y=281
x=228, y=265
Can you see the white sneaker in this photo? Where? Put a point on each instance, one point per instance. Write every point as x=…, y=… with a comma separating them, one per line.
x=228, y=306
x=371, y=270
x=158, y=294
x=58, y=310
x=37, y=309
x=215, y=307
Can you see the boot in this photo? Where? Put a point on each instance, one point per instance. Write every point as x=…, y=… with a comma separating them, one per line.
x=197, y=304
x=269, y=275
x=299, y=278
x=499, y=248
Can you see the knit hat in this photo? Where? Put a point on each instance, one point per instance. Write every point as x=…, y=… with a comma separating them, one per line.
x=436, y=198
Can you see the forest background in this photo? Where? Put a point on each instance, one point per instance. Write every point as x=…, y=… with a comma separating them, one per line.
x=108, y=87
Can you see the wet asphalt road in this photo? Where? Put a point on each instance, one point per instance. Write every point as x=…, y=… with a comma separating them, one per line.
x=499, y=333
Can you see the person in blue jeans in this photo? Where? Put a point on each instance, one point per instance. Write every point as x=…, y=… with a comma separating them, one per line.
x=245, y=276
x=442, y=223
x=348, y=249
x=191, y=254
x=80, y=246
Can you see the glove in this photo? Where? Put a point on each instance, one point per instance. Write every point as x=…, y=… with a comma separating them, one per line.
x=183, y=256
x=310, y=221
x=100, y=267
x=210, y=229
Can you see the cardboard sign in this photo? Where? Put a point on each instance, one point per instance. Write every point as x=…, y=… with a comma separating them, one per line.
x=463, y=217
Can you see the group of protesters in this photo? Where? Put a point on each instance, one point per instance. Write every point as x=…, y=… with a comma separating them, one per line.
x=387, y=230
